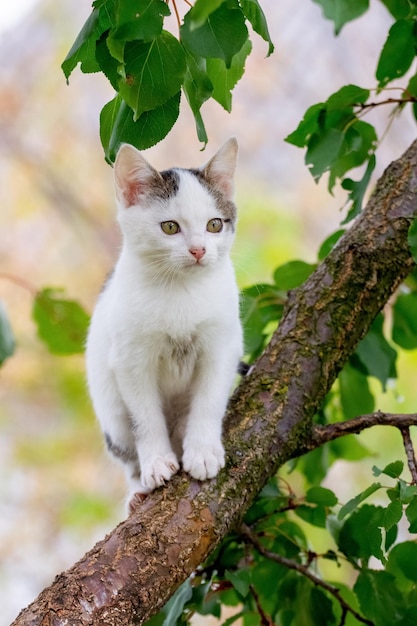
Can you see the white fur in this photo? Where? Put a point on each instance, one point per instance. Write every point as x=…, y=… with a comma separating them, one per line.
x=165, y=338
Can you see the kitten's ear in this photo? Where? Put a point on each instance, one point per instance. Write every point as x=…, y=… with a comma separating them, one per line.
x=220, y=170
x=133, y=176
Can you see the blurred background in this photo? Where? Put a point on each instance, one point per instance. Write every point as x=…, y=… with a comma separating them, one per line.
x=59, y=492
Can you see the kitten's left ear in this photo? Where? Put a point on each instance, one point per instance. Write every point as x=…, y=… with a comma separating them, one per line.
x=220, y=170
x=133, y=176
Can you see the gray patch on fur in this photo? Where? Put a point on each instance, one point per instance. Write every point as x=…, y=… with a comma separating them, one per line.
x=127, y=455
x=226, y=207
x=167, y=185
x=181, y=350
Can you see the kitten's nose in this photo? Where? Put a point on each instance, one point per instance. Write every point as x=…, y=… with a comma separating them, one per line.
x=198, y=253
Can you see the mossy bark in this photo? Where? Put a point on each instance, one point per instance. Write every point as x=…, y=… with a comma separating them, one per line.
x=129, y=575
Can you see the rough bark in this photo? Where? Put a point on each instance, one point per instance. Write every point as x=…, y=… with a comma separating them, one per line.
x=129, y=575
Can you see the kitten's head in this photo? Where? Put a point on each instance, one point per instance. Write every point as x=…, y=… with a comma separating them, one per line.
x=177, y=221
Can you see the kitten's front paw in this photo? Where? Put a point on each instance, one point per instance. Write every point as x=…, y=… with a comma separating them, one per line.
x=203, y=462
x=158, y=470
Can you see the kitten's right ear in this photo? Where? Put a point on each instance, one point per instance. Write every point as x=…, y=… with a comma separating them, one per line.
x=133, y=176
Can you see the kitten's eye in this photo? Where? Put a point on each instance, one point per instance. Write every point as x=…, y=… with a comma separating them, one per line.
x=215, y=225
x=170, y=228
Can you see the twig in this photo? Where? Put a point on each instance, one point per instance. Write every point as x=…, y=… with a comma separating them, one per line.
x=266, y=620
x=304, y=571
x=177, y=15
x=322, y=434
x=409, y=451
x=362, y=106
x=20, y=282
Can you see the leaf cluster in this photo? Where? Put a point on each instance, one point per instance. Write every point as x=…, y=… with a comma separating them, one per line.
x=270, y=573
x=149, y=67
x=336, y=138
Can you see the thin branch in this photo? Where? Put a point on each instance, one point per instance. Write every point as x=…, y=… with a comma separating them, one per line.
x=363, y=106
x=409, y=450
x=266, y=620
x=20, y=282
x=304, y=571
x=322, y=434
x=177, y=15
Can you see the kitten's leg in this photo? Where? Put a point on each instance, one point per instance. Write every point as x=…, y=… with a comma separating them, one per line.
x=203, y=455
x=115, y=423
x=158, y=462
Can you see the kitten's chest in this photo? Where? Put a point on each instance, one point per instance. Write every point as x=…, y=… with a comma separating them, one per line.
x=177, y=361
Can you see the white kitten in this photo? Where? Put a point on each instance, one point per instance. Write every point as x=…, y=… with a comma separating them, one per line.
x=165, y=338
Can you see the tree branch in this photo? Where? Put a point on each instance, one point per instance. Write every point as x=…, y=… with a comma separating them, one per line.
x=322, y=434
x=304, y=571
x=409, y=451
x=129, y=575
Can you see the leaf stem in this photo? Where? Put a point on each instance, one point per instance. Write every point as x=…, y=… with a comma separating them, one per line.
x=304, y=571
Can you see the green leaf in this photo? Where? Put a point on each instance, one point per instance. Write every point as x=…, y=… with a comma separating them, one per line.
x=398, y=52
x=292, y=274
x=322, y=496
x=353, y=504
x=394, y=469
x=203, y=601
x=314, y=515
x=83, y=50
x=108, y=64
x=404, y=329
x=342, y=11
x=241, y=580
x=407, y=493
x=376, y=354
x=7, y=341
x=360, y=536
x=260, y=305
x=201, y=10
x=355, y=395
x=224, y=78
x=62, y=324
x=314, y=465
x=323, y=150
x=390, y=535
x=329, y=243
x=117, y=125
x=253, y=12
x=411, y=514
x=392, y=514
x=379, y=597
x=221, y=36
x=398, y=8
x=412, y=239
x=154, y=73
x=175, y=606
x=197, y=88
x=346, y=97
x=141, y=20
x=321, y=608
x=307, y=127
x=402, y=560
x=265, y=576
x=357, y=190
